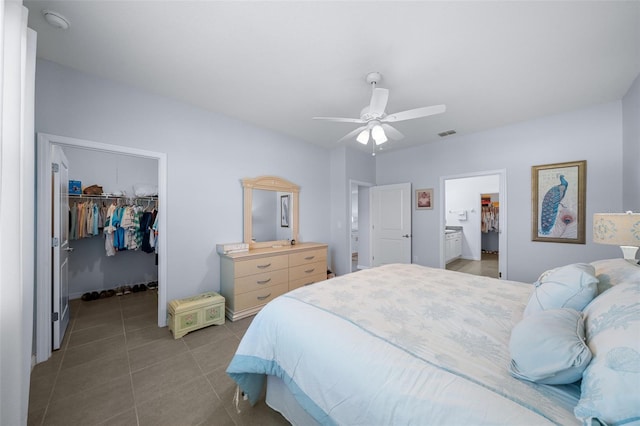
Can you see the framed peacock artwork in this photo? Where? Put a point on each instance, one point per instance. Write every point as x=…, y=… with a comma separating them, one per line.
x=558, y=202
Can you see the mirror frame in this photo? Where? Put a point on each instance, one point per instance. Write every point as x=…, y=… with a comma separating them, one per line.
x=269, y=183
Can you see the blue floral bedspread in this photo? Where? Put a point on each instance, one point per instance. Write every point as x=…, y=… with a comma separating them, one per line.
x=401, y=345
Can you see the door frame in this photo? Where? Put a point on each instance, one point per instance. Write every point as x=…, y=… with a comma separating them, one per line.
x=44, y=261
x=359, y=184
x=502, y=238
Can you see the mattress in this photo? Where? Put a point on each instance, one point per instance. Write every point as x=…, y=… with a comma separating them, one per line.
x=399, y=344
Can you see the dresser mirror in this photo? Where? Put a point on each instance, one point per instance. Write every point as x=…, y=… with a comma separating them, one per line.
x=270, y=211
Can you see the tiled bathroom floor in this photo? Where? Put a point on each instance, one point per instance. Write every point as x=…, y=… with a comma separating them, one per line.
x=116, y=367
x=487, y=267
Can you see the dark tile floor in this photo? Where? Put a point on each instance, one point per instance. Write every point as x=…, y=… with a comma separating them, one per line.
x=117, y=367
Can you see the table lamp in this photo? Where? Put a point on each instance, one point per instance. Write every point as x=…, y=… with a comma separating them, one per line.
x=620, y=229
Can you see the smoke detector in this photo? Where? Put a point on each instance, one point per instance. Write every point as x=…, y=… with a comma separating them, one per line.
x=55, y=19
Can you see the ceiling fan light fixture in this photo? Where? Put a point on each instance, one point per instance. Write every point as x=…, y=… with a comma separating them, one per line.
x=363, y=137
x=377, y=133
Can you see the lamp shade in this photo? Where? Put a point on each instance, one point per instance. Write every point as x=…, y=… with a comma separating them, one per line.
x=363, y=137
x=377, y=133
x=620, y=229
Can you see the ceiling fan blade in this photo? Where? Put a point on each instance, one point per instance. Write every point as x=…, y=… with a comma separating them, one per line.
x=392, y=132
x=414, y=113
x=341, y=119
x=352, y=133
x=379, y=100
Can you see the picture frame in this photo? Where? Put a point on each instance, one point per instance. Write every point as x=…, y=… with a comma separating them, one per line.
x=284, y=211
x=558, y=201
x=424, y=199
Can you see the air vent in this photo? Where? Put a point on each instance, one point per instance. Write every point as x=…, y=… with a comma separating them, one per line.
x=447, y=133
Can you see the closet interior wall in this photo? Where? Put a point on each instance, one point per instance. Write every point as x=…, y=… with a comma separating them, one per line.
x=90, y=269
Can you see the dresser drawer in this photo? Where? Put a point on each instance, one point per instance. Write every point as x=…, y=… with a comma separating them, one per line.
x=302, y=271
x=309, y=256
x=293, y=284
x=261, y=281
x=263, y=264
x=259, y=297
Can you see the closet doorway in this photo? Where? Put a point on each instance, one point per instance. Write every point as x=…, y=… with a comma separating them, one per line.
x=467, y=204
x=43, y=318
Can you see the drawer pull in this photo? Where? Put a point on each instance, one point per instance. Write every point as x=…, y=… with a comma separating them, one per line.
x=264, y=266
x=309, y=257
x=308, y=271
x=263, y=281
x=264, y=297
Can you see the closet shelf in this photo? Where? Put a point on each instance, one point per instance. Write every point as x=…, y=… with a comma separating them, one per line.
x=112, y=197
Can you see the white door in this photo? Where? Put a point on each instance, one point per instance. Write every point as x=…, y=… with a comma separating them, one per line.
x=60, y=245
x=391, y=223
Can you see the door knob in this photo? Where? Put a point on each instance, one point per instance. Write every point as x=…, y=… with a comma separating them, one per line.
x=69, y=249
x=406, y=236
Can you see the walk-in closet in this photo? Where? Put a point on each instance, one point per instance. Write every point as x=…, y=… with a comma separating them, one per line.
x=113, y=227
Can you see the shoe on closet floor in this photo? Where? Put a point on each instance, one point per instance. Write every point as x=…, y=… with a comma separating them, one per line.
x=143, y=287
x=126, y=289
x=119, y=291
x=136, y=288
x=86, y=297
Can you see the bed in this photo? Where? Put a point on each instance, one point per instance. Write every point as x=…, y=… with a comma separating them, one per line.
x=407, y=344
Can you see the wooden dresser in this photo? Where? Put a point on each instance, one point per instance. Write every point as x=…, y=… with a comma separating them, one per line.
x=249, y=280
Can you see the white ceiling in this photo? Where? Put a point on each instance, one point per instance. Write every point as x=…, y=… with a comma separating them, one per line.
x=277, y=64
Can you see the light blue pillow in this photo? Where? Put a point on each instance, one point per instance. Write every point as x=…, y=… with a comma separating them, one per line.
x=572, y=286
x=611, y=382
x=612, y=272
x=549, y=347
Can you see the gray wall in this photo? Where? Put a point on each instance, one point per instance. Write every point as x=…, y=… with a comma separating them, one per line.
x=631, y=148
x=346, y=163
x=207, y=155
x=593, y=134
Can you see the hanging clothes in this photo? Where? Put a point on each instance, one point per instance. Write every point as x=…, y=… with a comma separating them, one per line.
x=122, y=224
x=490, y=219
x=109, y=230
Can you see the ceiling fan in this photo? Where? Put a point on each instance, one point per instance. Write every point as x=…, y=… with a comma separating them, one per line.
x=375, y=120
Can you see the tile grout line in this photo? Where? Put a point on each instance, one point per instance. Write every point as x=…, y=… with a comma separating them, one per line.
x=133, y=393
x=63, y=351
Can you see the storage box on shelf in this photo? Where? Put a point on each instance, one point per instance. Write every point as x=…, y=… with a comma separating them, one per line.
x=193, y=313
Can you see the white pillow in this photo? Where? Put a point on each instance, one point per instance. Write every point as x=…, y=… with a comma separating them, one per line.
x=611, y=382
x=548, y=347
x=572, y=286
x=145, y=190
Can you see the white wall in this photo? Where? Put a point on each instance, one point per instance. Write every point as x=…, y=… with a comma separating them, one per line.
x=207, y=156
x=631, y=148
x=17, y=183
x=463, y=194
x=593, y=134
x=114, y=172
